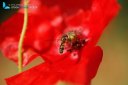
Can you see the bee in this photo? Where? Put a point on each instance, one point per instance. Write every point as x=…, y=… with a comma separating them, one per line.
x=71, y=39
x=63, y=40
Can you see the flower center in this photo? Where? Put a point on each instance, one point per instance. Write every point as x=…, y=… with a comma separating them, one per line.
x=71, y=41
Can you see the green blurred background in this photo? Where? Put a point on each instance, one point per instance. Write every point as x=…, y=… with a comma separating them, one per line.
x=114, y=41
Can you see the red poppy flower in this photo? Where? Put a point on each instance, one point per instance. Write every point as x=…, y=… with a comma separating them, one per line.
x=50, y=19
x=74, y=59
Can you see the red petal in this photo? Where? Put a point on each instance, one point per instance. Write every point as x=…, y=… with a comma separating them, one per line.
x=9, y=49
x=102, y=13
x=82, y=72
x=69, y=6
x=10, y=27
x=39, y=75
x=93, y=60
x=94, y=20
x=79, y=73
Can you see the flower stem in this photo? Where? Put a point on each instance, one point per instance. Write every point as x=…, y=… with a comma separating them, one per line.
x=22, y=35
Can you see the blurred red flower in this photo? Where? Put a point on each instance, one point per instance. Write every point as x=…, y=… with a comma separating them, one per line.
x=47, y=25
